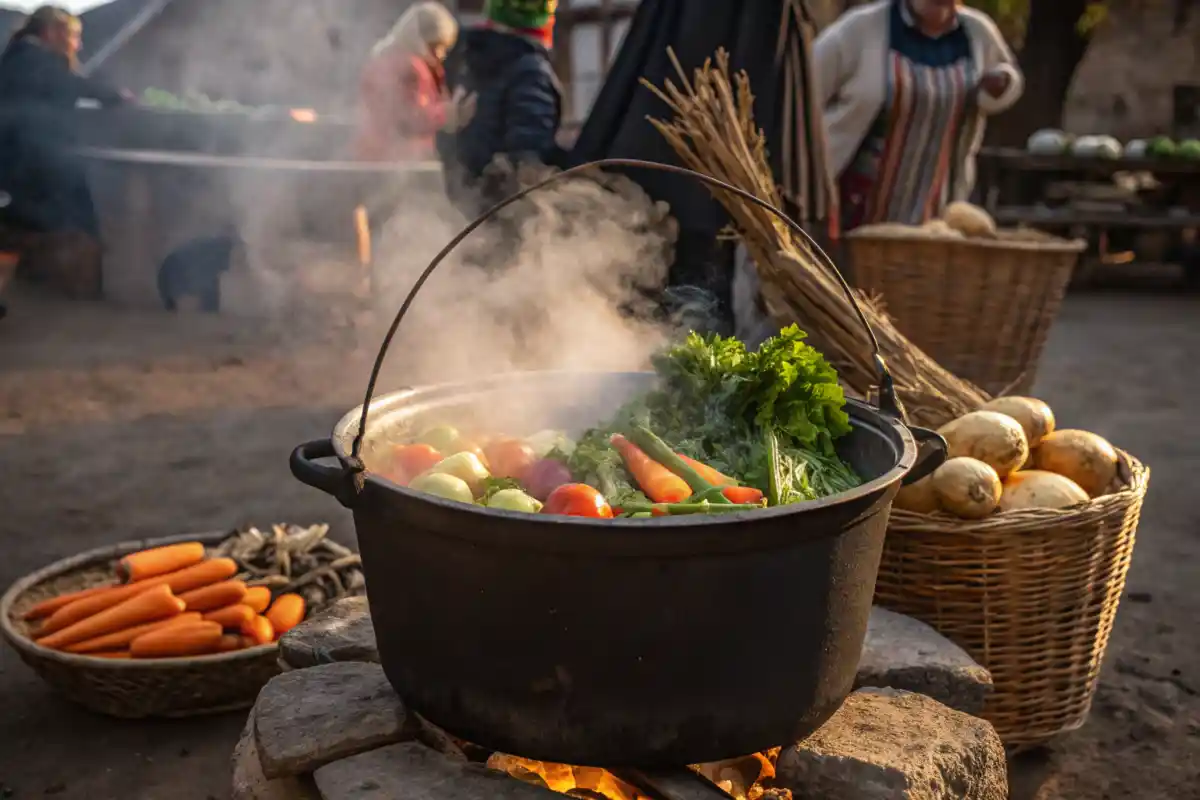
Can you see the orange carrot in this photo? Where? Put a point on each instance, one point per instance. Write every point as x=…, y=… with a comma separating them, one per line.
x=184, y=580
x=189, y=639
x=742, y=494
x=258, y=598
x=286, y=613
x=659, y=483
x=111, y=654
x=231, y=642
x=48, y=607
x=159, y=561
x=259, y=630
x=217, y=595
x=123, y=638
x=232, y=616
x=152, y=604
x=708, y=473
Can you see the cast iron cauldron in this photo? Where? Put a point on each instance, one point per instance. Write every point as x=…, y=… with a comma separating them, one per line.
x=646, y=643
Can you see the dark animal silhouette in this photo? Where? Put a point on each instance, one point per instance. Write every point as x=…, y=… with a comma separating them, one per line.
x=194, y=269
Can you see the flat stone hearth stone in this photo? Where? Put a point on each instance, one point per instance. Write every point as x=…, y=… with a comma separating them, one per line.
x=249, y=782
x=903, y=653
x=342, y=632
x=307, y=718
x=885, y=744
x=900, y=652
x=412, y=771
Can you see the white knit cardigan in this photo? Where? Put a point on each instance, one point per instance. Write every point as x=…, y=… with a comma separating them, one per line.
x=851, y=66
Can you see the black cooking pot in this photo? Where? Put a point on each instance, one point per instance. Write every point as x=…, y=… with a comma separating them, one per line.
x=659, y=642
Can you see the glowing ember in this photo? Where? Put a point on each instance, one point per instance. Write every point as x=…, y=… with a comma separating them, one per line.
x=303, y=114
x=741, y=778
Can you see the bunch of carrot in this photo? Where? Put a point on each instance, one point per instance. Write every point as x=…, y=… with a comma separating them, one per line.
x=673, y=481
x=167, y=602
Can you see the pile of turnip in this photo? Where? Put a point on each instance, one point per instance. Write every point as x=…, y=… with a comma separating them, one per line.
x=1008, y=456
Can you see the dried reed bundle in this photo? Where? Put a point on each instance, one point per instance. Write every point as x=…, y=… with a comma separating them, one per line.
x=714, y=133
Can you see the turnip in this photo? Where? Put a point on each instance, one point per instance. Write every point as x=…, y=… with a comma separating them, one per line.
x=1039, y=489
x=917, y=497
x=996, y=439
x=514, y=500
x=545, y=476
x=966, y=487
x=1087, y=459
x=444, y=485
x=1034, y=416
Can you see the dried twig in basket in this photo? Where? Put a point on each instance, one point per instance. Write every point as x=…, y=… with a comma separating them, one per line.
x=714, y=133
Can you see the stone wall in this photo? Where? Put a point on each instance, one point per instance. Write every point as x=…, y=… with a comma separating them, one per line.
x=1125, y=85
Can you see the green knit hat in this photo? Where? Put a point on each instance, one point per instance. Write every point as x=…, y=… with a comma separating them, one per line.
x=533, y=15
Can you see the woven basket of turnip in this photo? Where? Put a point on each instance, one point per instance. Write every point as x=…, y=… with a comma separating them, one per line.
x=171, y=627
x=1017, y=548
x=979, y=300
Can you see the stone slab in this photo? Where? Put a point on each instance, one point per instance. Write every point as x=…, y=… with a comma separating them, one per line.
x=307, y=718
x=885, y=744
x=342, y=632
x=411, y=771
x=249, y=782
x=903, y=653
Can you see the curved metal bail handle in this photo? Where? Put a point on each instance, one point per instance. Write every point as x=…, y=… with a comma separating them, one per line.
x=887, y=396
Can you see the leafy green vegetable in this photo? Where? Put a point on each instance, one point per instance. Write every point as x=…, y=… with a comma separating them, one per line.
x=767, y=417
x=594, y=462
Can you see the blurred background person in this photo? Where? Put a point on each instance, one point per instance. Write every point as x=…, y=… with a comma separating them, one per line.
x=905, y=87
x=48, y=212
x=501, y=71
x=403, y=101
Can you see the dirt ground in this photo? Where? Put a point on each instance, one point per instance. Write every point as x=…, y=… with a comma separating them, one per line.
x=118, y=425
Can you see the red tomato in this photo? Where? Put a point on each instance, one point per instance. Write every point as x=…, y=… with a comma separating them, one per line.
x=410, y=460
x=577, y=500
x=509, y=458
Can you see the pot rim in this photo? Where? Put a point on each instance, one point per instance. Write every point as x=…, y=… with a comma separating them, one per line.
x=344, y=430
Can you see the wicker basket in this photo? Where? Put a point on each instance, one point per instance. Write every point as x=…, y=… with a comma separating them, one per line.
x=1030, y=594
x=168, y=687
x=981, y=308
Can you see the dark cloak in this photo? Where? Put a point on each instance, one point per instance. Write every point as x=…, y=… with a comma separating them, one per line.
x=771, y=40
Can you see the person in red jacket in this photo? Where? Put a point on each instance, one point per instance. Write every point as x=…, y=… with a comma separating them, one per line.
x=402, y=92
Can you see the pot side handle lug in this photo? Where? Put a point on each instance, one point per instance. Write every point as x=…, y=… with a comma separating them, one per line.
x=334, y=481
x=931, y=454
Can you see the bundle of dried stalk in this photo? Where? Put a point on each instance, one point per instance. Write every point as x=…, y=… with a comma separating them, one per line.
x=714, y=133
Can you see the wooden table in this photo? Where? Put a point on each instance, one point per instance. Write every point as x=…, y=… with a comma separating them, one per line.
x=151, y=202
x=1014, y=185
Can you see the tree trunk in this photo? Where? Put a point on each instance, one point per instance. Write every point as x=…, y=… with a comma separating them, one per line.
x=1052, y=52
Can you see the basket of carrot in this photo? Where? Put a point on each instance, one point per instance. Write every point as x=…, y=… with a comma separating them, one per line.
x=159, y=628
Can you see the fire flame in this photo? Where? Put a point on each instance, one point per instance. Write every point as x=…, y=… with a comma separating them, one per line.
x=303, y=114
x=740, y=778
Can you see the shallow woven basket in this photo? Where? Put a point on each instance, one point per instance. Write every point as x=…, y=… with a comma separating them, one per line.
x=1030, y=594
x=981, y=308
x=166, y=687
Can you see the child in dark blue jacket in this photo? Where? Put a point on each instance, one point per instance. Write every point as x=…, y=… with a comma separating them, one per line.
x=504, y=64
